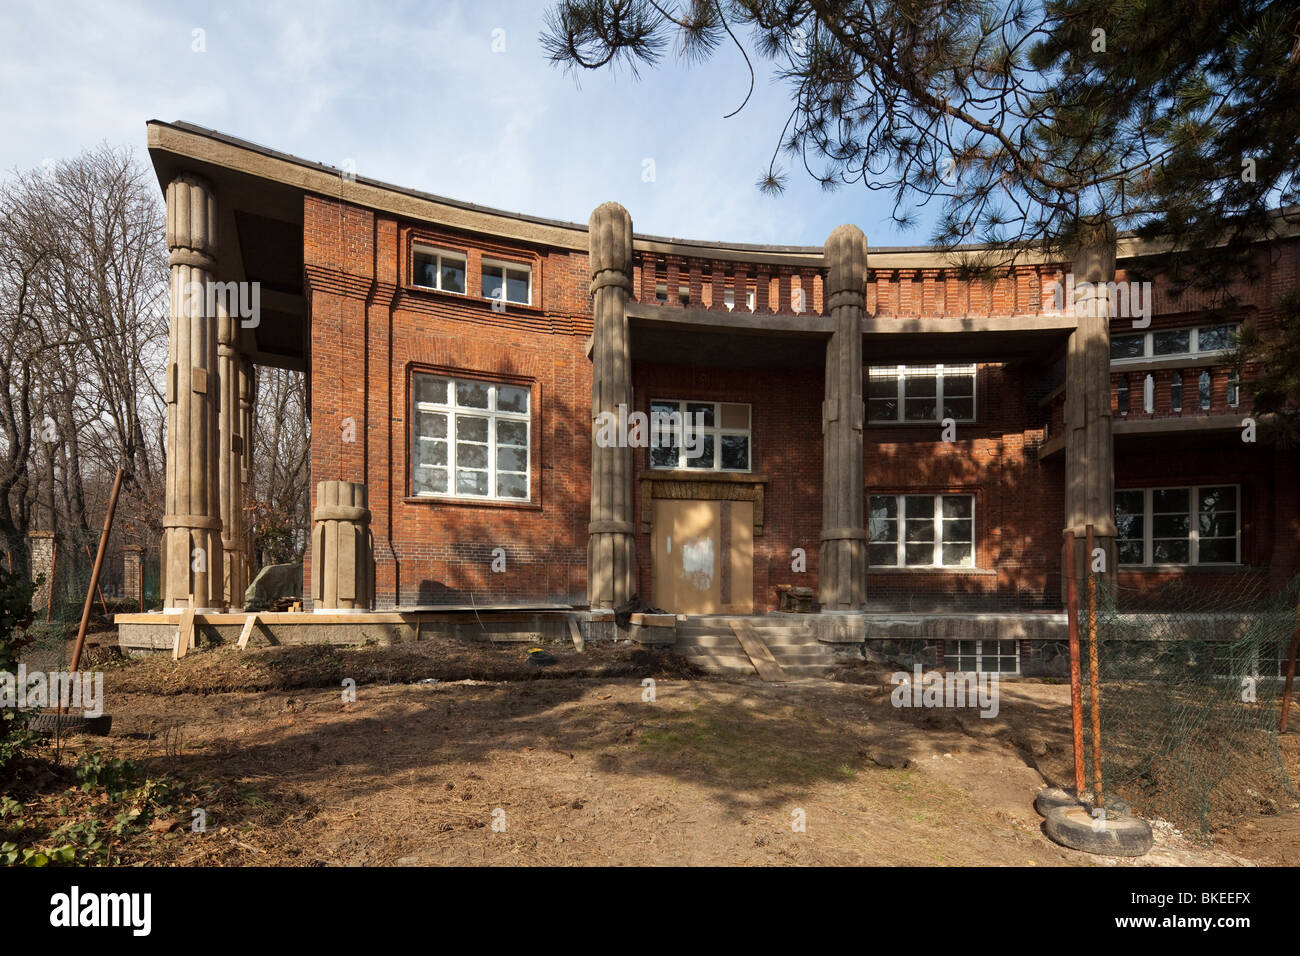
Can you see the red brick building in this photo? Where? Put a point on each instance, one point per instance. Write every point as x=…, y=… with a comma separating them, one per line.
x=871, y=411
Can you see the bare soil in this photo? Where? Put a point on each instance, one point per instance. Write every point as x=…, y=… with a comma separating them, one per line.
x=504, y=762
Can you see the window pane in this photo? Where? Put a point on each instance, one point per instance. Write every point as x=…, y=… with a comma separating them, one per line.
x=512, y=486
x=883, y=410
x=735, y=416
x=958, y=408
x=665, y=454
x=512, y=433
x=511, y=399
x=958, y=555
x=1130, y=552
x=883, y=555
x=430, y=452
x=492, y=283
x=957, y=506
x=430, y=481
x=958, y=386
x=1172, y=342
x=919, y=506
x=430, y=389
x=919, y=398
x=472, y=394
x=1171, y=552
x=471, y=482
x=957, y=530
x=701, y=412
x=1171, y=500
x=1214, y=338
x=471, y=428
x=431, y=424
x=512, y=459
x=918, y=554
x=453, y=275
x=425, y=270
x=471, y=456
x=1176, y=392
x=1218, y=499
x=1219, y=524
x=1170, y=526
x=735, y=452
x=1127, y=346
x=704, y=443
x=517, y=286
x=883, y=506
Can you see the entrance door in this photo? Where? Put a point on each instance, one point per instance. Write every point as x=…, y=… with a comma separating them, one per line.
x=704, y=556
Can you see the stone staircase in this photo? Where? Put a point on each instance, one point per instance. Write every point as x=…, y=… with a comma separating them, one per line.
x=711, y=645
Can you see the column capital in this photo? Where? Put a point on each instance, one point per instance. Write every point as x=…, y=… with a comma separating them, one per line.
x=846, y=261
x=191, y=215
x=610, y=237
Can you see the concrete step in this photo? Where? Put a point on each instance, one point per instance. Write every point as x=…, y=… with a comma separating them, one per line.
x=808, y=658
x=729, y=639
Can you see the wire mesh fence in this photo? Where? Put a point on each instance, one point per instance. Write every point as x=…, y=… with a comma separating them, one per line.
x=1190, y=691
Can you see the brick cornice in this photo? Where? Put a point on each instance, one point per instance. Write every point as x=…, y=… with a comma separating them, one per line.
x=337, y=282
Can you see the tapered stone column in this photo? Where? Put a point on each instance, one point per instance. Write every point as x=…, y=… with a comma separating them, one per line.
x=1089, y=458
x=192, y=552
x=842, y=579
x=342, y=549
x=611, y=545
x=230, y=465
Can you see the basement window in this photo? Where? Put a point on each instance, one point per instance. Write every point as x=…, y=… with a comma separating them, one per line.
x=920, y=393
x=982, y=657
x=717, y=435
x=507, y=281
x=470, y=438
x=1178, y=526
x=921, y=531
x=436, y=269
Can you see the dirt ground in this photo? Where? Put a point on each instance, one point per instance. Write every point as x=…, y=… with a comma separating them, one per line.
x=485, y=767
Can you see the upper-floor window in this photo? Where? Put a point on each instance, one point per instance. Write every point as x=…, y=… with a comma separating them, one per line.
x=921, y=531
x=470, y=438
x=1167, y=343
x=921, y=393
x=1197, y=525
x=507, y=281
x=437, y=269
x=710, y=436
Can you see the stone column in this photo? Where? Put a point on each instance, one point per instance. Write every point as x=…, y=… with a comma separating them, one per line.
x=611, y=545
x=1089, y=458
x=191, y=546
x=342, y=558
x=132, y=582
x=842, y=578
x=230, y=465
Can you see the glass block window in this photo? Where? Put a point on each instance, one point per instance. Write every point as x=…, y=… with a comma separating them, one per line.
x=921, y=531
x=470, y=438
x=982, y=657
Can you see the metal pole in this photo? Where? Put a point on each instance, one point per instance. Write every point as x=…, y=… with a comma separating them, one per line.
x=1094, y=674
x=54, y=566
x=98, y=590
x=143, y=557
x=1290, y=675
x=1076, y=684
x=94, y=574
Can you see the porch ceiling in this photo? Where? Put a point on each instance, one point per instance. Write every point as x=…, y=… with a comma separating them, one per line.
x=965, y=339
x=726, y=339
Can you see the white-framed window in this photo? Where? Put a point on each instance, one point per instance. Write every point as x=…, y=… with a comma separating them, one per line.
x=982, y=657
x=1182, y=526
x=717, y=435
x=1165, y=343
x=921, y=531
x=507, y=281
x=921, y=393
x=470, y=438
x=438, y=269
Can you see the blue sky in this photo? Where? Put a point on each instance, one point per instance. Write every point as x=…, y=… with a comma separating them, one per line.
x=413, y=94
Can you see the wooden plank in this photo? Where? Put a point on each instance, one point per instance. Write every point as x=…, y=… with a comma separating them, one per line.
x=576, y=633
x=250, y=622
x=759, y=653
x=184, y=634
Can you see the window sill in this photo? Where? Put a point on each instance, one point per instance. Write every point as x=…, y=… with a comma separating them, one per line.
x=465, y=297
x=932, y=570
x=928, y=423
x=473, y=502
x=1181, y=568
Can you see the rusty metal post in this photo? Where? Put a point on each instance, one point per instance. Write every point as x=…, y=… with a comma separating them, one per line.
x=1076, y=683
x=1290, y=674
x=1094, y=671
x=98, y=590
x=94, y=574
